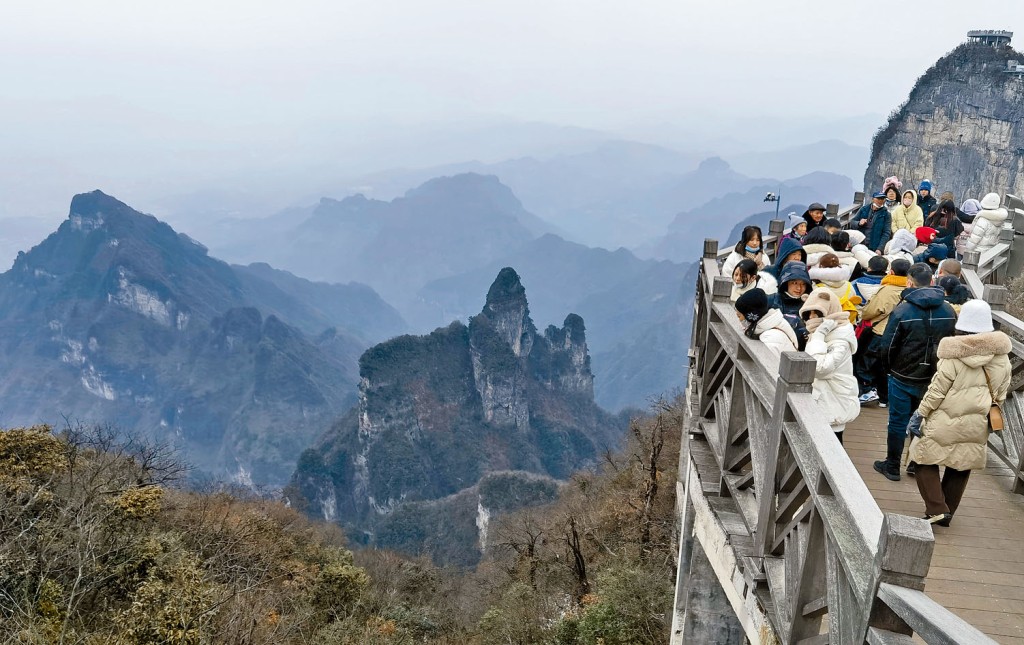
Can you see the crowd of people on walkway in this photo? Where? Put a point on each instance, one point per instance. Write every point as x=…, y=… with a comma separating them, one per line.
x=880, y=305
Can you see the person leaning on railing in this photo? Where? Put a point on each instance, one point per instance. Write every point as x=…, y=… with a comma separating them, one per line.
x=987, y=224
x=973, y=373
x=763, y=323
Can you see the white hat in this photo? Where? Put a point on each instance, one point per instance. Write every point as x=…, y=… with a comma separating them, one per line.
x=975, y=317
x=856, y=237
x=990, y=202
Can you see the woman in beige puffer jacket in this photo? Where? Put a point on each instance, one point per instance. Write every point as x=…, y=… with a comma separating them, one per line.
x=972, y=373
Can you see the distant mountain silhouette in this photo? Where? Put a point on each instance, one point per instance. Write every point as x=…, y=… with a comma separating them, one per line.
x=115, y=317
x=716, y=218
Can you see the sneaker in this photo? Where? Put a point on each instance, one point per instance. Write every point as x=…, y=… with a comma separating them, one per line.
x=891, y=472
x=942, y=519
x=869, y=396
x=883, y=405
x=912, y=469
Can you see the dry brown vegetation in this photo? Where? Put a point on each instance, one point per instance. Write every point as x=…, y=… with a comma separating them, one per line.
x=98, y=545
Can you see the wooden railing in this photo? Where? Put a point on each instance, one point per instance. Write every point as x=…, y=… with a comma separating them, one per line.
x=775, y=515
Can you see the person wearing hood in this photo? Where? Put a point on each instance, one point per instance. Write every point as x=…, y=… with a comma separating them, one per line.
x=764, y=323
x=933, y=255
x=987, y=224
x=909, y=345
x=751, y=247
x=797, y=227
x=814, y=216
x=833, y=275
x=879, y=307
x=787, y=251
x=947, y=225
x=969, y=210
x=832, y=344
x=902, y=246
x=816, y=244
x=875, y=222
x=924, y=197
x=794, y=285
x=973, y=373
x=907, y=215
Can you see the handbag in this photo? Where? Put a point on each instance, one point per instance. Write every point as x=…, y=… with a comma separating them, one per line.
x=995, y=413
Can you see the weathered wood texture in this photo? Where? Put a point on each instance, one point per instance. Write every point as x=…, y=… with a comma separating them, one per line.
x=977, y=567
x=784, y=515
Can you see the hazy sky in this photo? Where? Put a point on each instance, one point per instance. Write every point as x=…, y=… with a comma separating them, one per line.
x=588, y=62
x=151, y=98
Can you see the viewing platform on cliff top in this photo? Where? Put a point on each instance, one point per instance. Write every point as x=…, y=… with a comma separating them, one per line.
x=786, y=536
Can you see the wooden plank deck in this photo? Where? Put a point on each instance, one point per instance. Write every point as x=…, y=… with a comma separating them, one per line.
x=977, y=569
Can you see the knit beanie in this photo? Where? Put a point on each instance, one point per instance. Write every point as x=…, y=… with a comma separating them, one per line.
x=990, y=202
x=925, y=234
x=971, y=207
x=891, y=181
x=753, y=305
x=975, y=317
x=925, y=185
x=795, y=220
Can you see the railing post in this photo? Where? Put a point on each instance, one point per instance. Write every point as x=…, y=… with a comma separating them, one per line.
x=858, y=197
x=996, y=296
x=831, y=210
x=796, y=374
x=721, y=289
x=776, y=228
x=710, y=249
x=905, y=550
x=971, y=260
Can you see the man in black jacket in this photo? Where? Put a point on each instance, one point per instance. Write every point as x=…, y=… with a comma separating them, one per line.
x=909, y=347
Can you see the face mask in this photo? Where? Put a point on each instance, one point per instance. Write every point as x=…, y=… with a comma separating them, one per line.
x=752, y=249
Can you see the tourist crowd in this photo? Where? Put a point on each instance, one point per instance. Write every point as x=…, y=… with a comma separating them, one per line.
x=880, y=305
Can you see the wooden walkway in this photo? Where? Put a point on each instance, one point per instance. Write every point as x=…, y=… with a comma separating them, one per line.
x=977, y=569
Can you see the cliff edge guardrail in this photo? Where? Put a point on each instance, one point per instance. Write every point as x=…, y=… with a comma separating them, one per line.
x=777, y=528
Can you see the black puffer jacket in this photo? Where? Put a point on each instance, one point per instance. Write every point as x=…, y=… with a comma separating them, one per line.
x=913, y=332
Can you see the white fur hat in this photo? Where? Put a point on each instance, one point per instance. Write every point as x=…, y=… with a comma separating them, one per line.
x=975, y=317
x=990, y=202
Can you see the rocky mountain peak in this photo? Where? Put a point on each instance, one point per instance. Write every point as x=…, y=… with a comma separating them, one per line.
x=958, y=127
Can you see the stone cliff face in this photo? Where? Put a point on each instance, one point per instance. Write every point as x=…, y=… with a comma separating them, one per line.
x=438, y=412
x=962, y=127
x=117, y=318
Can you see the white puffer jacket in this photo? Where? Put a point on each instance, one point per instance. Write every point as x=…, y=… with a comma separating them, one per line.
x=734, y=258
x=764, y=281
x=985, y=233
x=776, y=333
x=863, y=254
x=815, y=252
x=835, y=386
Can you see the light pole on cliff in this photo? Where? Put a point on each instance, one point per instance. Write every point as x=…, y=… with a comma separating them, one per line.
x=777, y=198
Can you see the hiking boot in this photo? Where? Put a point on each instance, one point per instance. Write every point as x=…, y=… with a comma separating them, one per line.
x=942, y=519
x=912, y=469
x=869, y=396
x=891, y=470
